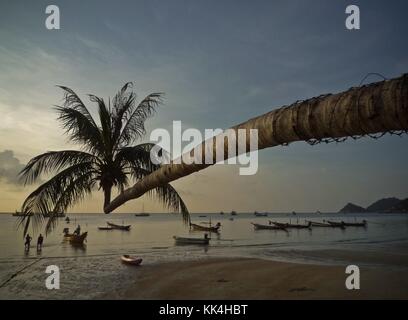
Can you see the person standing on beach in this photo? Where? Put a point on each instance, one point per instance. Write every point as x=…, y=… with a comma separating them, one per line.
x=40, y=242
x=27, y=242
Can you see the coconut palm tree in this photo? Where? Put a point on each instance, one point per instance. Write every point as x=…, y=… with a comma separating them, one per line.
x=380, y=107
x=107, y=158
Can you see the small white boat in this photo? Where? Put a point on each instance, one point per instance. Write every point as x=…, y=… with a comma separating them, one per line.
x=201, y=241
x=134, y=261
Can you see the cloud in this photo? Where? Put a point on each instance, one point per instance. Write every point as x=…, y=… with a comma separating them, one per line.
x=10, y=166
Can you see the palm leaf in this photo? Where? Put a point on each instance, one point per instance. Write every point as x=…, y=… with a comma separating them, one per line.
x=78, y=122
x=172, y=200
x=106, y=125
x=53, y=161
x=137, y=156
x=44, y=199
x=134, y=127
x=73, y=194
x=123, y=106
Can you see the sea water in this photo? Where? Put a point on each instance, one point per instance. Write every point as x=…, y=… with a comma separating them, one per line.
x=95, y=268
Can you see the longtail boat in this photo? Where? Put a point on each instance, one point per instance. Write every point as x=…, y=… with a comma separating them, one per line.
x=200, y=241
x=143, y=214
x=336, y=223
x=291, y=225
x=105, y=228
x=260, y=214
x=119, y=227
x=258, y=226
x=355, y=224
x=78, y=239
x=197, y=227
x=322, y=224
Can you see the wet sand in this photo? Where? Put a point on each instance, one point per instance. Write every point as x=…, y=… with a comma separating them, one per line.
x=259, y=279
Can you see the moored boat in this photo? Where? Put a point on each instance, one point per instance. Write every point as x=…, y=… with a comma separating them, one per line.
x=184, y=240
x=143, y=214
x=336, y=223
x=105, y=228
x=322, y=224
x=78, y=239
x=355, y=224
x=197, y=227
x=260, y=214
x=233, y=213
x=134, y=261
x=258, y=226
x=119, y=227
x=291, y=225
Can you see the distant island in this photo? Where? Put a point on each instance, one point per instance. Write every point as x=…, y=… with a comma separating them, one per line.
x=385, y=205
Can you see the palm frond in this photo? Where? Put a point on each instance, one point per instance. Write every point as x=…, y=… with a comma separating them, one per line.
x=44, y=199
x=79, y=129
x=53, y=161
x=106, y=124
x=73, y=194
x=134, y=127
x=165, y=193
x=137, y=157
x=77, y=120
x=72, y=101
x=170, y=198
x=123, y=107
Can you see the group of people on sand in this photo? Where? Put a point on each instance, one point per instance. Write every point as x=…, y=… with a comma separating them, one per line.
x=40, y=239
x=28, y=239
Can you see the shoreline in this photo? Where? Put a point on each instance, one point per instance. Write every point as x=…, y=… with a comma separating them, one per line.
x=256, y=279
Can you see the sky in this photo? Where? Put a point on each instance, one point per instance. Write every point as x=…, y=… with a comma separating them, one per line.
x=219, y=63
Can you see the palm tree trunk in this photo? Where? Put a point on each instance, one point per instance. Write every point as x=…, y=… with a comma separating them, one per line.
x=107, y=191
x=380, y=107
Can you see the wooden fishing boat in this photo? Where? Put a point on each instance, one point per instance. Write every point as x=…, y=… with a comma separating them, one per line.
x=258, y=226
x=78, y=239
x=143, y=213
x=260, y=214
x=134, y=261
x=199, y=241
x=322, y=224
x=336, y=223
x=66, y=233
x=291, y=225
x=105, y=228
x=197, y=227
x=119, y=227
x=355, y=224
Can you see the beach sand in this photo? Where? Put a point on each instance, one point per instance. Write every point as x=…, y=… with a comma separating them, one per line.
x=260, y=279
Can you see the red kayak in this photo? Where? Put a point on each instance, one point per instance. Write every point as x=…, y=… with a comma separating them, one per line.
x=131, y=260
